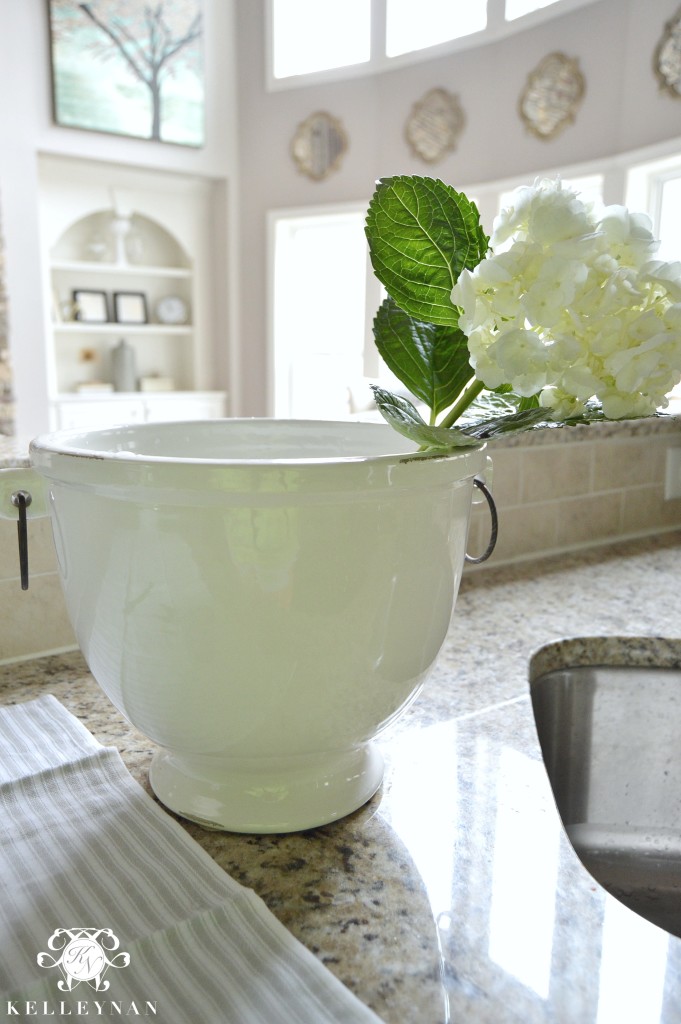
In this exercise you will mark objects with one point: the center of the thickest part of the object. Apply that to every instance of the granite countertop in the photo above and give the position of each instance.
(454, 894)
(14, 452)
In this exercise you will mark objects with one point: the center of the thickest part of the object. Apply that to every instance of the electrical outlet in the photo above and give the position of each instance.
(672, 480)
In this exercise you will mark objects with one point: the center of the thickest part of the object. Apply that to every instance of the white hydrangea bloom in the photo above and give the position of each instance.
(523, 358)
(575, 308)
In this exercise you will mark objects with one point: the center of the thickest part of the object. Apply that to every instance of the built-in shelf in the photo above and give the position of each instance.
(120, 232)
(132, 269)
(78, 327)
(82, 349)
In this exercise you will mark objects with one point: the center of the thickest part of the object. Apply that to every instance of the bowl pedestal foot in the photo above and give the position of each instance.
(266, 795)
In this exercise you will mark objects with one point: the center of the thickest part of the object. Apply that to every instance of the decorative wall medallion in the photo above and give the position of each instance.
(319, 145)
(434, 125)
(552, 95)
(667, 60)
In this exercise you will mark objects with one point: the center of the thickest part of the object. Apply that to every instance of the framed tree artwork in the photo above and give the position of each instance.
(129, 67)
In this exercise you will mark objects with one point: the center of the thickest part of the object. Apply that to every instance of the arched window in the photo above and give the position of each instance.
(309, 40)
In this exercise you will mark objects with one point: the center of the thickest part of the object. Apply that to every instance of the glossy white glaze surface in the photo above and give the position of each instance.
(260, 598)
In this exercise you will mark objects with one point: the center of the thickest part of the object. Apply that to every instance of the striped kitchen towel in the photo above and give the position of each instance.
(109, 908)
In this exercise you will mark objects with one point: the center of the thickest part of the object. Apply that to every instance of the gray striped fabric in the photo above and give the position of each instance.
(83, 846)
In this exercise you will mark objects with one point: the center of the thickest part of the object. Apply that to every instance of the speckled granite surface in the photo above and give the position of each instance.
(454, 894)
(13, 452)
(639, 652)
(666, 423)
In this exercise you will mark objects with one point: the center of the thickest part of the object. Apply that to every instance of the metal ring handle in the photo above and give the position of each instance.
(21, 500)
(495, 524)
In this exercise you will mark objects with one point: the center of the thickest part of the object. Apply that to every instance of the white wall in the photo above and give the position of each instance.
(623, 109)
(27, 129)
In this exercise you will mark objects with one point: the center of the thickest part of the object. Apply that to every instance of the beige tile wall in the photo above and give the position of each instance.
(565, 496)
(551, 497)
(33, 621)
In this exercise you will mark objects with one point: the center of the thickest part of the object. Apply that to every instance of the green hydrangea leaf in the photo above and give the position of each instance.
(490, 405)
(403, 416)
(533, 418)
(422, 234)
(507, 423)
(430, 359)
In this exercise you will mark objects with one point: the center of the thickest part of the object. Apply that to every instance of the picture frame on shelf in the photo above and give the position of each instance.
(90, 306)
(130, 308)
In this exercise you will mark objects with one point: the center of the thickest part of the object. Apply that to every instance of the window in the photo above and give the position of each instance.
(313, 40)
(655, 186)
(310, 36)
(414, 26)
(519, 8)
(319, 313)
(669, 219)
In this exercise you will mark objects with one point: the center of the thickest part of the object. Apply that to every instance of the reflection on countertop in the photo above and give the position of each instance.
(454, 894)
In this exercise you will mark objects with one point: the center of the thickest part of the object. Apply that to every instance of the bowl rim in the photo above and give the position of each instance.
(68, 444)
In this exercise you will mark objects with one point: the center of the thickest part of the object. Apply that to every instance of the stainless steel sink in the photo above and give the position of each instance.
(611, 741)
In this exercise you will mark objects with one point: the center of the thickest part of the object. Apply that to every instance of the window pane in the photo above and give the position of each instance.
(310, 35)
(589, 189)
(516, 8)
(319, 313)
(669, 231)
(415, 24)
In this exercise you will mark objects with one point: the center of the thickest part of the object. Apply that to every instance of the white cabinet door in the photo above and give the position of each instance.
(93, 415)
(184, 407)
(98, 413)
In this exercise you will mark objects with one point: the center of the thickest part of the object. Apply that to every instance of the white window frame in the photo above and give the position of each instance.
(497, 28)
(634, 179)
(647, 180)
(645, 184)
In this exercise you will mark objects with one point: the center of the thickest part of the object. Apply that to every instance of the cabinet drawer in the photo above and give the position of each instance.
(160, 410)
(94, 414)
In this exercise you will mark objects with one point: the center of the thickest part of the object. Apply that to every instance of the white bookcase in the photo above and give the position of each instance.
(128, 257)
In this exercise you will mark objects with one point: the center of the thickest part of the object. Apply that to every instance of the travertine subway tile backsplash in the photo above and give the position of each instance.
(562, 496)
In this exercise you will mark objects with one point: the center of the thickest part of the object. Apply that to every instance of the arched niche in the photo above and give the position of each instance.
(110, 237)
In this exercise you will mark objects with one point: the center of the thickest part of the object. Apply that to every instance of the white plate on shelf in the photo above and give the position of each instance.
(172, 309)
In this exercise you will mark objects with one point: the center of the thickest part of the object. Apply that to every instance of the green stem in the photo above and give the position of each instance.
(464, 401)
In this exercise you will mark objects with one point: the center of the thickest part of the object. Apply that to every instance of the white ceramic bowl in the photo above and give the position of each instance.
(260, 598)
